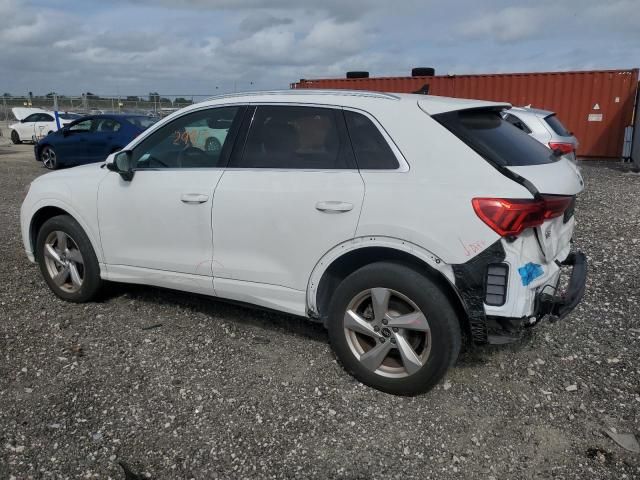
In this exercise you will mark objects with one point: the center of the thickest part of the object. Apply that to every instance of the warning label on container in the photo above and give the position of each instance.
(595, 117)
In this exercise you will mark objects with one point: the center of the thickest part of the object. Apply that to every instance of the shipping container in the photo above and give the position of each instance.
(595, 105)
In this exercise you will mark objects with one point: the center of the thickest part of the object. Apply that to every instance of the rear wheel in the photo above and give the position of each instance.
(393, 328)
(49, 158)
(67, 260)
(15, 137)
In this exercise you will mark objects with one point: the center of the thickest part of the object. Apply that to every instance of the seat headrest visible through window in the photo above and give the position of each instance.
(279, 137)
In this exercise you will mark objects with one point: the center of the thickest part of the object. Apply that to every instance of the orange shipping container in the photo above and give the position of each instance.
(595, 105)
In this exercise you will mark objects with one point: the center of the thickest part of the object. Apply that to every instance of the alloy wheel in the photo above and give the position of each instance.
(387, 332)
(49, 158)
(64, 261)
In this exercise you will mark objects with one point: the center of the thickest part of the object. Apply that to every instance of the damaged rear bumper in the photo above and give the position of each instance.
(559, 306)
(526, 300)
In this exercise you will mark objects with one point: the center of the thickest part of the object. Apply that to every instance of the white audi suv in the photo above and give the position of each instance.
(403, 223)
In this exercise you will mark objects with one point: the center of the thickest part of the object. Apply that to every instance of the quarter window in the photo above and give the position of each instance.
(197, 140)
(295, 137)
(370, 147)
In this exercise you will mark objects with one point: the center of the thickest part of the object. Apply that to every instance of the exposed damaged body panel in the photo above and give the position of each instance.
(515, 283)
(470, 281)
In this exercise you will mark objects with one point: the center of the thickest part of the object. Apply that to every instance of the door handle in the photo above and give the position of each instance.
(332, 206)
(194, 198)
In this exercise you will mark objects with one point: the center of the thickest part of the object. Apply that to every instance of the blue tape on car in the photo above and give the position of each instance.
(529, 272)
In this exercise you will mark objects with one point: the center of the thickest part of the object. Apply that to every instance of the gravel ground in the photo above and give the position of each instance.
(180, 386)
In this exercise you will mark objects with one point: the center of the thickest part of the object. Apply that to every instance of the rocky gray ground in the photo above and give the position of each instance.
(179, 386)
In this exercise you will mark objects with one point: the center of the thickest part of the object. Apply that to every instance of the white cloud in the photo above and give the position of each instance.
(509, 25)
(198, 45)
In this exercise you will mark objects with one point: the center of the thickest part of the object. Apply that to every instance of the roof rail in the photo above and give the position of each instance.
(308, 91)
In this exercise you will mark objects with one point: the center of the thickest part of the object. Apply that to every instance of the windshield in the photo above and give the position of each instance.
(494, 138)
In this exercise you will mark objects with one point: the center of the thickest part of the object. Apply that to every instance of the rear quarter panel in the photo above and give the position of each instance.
(430, 205)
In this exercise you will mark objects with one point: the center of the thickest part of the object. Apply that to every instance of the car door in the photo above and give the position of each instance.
(101, 142)
(71, 147)
(156, 228)
(44, 124)
(287, 197)
(26, 127)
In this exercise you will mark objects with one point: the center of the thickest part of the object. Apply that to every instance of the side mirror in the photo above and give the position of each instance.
(120, 162)
(65, 131)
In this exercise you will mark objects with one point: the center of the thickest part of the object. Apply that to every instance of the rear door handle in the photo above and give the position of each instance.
(332, 206)
(194, 197)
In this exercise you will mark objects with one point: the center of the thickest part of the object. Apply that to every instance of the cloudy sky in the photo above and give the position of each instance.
(180, 47)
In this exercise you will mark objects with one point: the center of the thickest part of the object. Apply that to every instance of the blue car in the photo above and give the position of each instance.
(89, 139)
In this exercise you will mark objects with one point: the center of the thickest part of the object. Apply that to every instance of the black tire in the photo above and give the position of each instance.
(91, 281)
(423, 72)
(426, 295)
(15, 138)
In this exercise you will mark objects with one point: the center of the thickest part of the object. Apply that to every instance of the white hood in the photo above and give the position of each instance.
(24, 112)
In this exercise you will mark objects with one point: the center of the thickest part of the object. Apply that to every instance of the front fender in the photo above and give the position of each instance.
(90, 228)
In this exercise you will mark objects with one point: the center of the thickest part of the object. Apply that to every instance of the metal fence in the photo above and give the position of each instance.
(153, 104)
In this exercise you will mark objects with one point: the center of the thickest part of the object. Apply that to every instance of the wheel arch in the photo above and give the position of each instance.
(40, 147)
(44, 212)
(349, 256)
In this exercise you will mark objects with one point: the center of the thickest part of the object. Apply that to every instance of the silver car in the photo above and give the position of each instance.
(545, 127)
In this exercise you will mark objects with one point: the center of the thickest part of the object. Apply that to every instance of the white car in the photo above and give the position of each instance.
(34, 124)
(545, 127)
(401, 222)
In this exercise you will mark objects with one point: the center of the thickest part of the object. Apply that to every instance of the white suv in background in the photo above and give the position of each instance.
(545, 127)
(401, 222)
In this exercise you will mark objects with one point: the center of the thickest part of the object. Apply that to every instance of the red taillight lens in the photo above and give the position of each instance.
(565, 148)
(508, 216)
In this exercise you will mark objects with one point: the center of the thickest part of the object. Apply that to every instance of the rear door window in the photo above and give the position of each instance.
(494, 138)
(370, 147)
(557, 126)
(295, 137)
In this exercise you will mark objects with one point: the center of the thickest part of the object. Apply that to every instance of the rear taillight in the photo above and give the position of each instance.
(509, 216)
(562, 147)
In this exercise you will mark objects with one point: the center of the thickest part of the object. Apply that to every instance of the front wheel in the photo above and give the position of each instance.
(67, 260)
(49, 158)
(393, 328)
(15, 137)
